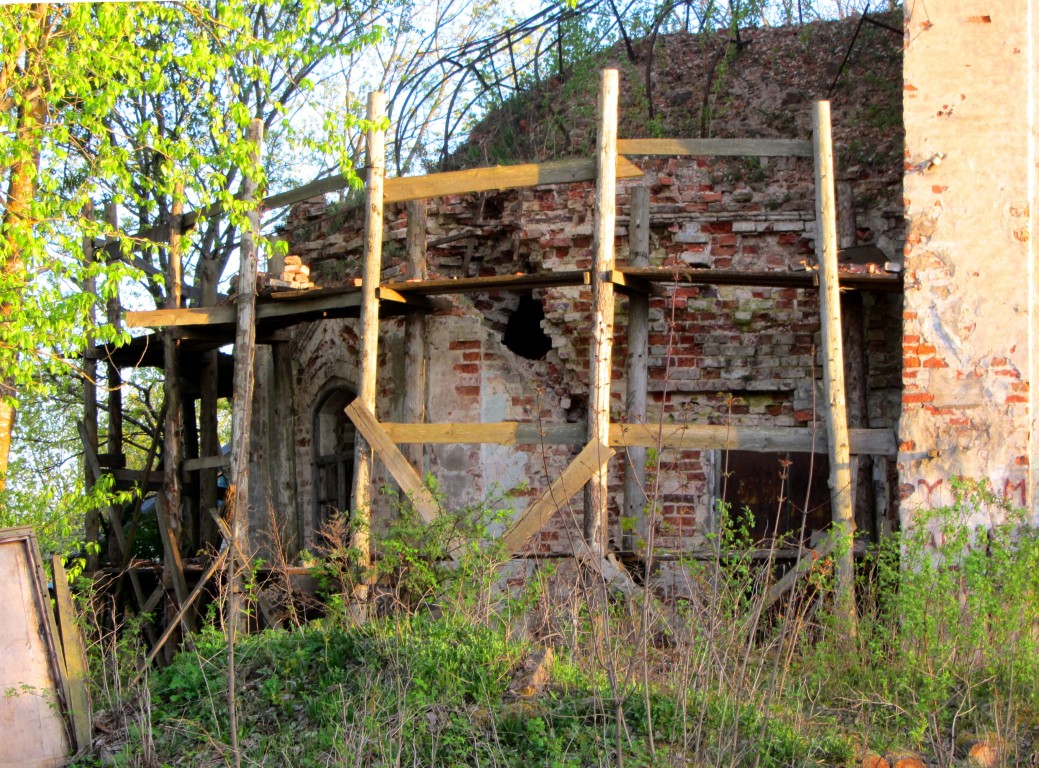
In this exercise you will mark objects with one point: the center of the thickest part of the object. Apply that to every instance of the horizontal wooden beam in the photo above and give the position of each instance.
(873, 442)
(206, 462)
(878, 283)
(306, 191)
(716, 147)
(415, 300)
(499, 177)
(521, 282)
(632, 284)
(496, 433)
(313, 302)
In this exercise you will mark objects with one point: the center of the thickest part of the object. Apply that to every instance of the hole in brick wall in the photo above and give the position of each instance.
(523, 334)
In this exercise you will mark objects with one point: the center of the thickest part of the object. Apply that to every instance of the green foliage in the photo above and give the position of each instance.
(119, 103)
(451, 559)
(948, 641)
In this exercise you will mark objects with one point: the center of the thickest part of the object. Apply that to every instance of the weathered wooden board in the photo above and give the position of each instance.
(316, 301)
(499, 177)
(533, 518)
(873, 442)
(716, 147)
(877, 283)
(206, 462)
(405, 475)
(75, 656)
(498, 433)
(34, 731)
(521, 282)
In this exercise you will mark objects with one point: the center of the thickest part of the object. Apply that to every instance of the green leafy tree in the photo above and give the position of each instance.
(62, 69)
(123, 104)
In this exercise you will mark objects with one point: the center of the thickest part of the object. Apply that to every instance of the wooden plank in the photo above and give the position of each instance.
(32, 678)
(879, 283)
(415, 268)
(130, 478)
(206, 462)
(633, 285)
(600, 364)
(293, 304)
(409, 481)
(637, 536)
(496, 433)
(841, 500)
(368, 364)
(716, 147)
(172, 560)
(413, 300)
(500, 177)
(314, 188)
(557, 279)
(74, 654)
(310, 303)
(692, 437)
(242, 399)
(531, 520)
(158, 318)
(92, 518)
(872, 442)
(169, 514)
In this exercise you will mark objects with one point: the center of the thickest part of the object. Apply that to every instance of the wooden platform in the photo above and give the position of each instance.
(286, 308)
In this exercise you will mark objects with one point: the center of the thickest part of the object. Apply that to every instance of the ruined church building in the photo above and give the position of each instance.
(709, 306)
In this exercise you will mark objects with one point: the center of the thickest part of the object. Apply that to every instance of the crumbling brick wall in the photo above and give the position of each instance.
(970, 294)
(718, 355)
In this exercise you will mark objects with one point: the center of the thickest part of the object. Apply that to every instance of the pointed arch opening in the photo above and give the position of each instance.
(333, 446)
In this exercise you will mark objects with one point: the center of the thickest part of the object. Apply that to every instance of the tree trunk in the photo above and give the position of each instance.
(21, 189)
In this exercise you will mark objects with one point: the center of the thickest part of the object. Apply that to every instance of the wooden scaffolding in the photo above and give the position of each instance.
(200, 330)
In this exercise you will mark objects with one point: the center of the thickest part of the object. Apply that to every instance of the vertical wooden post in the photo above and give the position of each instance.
(369, 325)
(415, 333)
(168, 503)
(115, 376)
(92, 521)
(637, 534)
(283, 448)
(833, 358)
(174, 429)
(241, 420)
(853, 322)
(114, 382)
(595, 513)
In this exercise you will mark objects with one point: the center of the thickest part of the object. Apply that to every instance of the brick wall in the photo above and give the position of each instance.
(718, 355)
(970, 317)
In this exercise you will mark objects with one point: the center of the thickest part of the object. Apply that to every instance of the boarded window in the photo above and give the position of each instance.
(779, 495)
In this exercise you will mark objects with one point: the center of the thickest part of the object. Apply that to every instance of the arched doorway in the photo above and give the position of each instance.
(333, 446)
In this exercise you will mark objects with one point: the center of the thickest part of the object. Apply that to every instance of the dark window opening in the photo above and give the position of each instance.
(779, 498)
(334, 436)
(523, 333)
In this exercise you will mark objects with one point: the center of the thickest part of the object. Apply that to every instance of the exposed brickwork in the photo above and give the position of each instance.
(717, 354)
(969, 315)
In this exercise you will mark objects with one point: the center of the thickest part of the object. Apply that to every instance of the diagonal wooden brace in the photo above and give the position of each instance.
(399, 467)
(531, 520)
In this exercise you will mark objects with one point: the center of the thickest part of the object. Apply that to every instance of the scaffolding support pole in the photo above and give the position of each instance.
(841, 496)
(601, 363)
(369, 326)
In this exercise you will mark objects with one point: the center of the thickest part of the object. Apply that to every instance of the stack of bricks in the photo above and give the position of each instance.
(297, 273)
